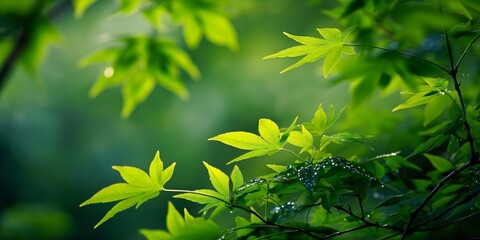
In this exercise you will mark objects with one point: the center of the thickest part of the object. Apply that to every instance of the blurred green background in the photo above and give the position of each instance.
(57, 146)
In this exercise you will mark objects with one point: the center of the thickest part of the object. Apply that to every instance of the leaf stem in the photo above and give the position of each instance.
(399, 52)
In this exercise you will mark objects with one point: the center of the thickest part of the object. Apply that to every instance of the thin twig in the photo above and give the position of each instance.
(442, 183)
(457, 204)
(449, 223)
(346, 231)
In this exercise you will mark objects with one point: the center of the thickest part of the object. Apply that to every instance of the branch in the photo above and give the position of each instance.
(449, 223)
(457, 204)
(442, 183)
(346, 231)
(367, 223)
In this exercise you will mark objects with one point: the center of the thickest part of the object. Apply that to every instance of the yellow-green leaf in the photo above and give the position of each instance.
(331, 46)
(269, 131)
(167, 174)
(134, 176)
(242, 140)
(113, 193)
(237, 178)
(156, 170)
(218, 179)
(119, 207)
(175, 222)
(254, 153)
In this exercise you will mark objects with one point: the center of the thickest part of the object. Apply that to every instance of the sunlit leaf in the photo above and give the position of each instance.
(134, 176)
(269, 131)
(218, 179)
(331, 47)
(139, 187)
(237, 178)
(242, 140)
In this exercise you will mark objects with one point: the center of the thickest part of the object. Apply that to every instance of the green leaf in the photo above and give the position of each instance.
(119, 207)
(113, 193)
(434, 108)
(376, 168)
(251, 154)
(331, 47)
(414, 101)
(269, 131)
(138, 64)
(135, 91)
(218, 179)
(134, 176)
(242, 140)
(82, 5)
(175, 222)
(155, 234)
(218, 29)
(138, 189)
(303, 140)
(156, 170)
(441, 164)
(394, 200)
(237, 178)
(429, 144)
(167, 174)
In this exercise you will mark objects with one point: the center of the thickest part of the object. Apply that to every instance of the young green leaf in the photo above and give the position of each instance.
(187, 227)
(139, 187)
(218, 179)
(237, 178)
(331, 47)
(242, 140)
(134, 176)
(269, 131)
(270, 140)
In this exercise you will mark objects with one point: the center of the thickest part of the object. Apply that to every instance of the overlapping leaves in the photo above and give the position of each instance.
(331, 46)
(138, 188)
(140, 64)
(185, 228)
(223, 193)
(434, 95)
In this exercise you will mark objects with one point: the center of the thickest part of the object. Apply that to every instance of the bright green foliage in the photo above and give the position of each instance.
(184, 228)
(139, 65)
(331, 47)
(224, 188)
(434, 95)
(139, 187)
(323, 191)
(202, 17)
(145, 61)
(270, 141)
